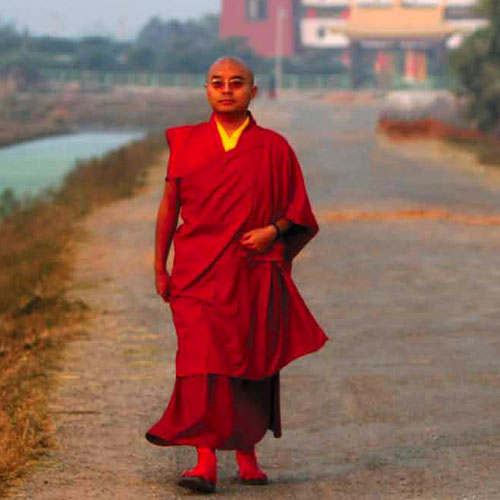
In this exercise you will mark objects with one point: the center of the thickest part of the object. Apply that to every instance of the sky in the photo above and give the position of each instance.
(119, 18)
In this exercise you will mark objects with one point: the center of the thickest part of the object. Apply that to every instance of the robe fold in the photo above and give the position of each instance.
(219, 412)
(237, 312)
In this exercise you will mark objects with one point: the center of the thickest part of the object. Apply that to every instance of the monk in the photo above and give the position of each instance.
(238, 316)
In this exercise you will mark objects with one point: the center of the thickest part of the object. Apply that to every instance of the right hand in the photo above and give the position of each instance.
(162, 279)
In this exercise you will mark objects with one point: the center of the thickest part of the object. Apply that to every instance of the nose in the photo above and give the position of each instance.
(227, 87)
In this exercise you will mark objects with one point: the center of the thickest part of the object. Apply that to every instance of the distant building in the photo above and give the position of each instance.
(402, 36)
(258, 21)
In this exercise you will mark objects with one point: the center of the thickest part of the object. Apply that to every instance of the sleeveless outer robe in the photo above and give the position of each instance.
(237, 312)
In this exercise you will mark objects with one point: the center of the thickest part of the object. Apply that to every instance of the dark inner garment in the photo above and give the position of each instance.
(217, 411)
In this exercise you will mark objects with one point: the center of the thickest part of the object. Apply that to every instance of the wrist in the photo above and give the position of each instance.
(276, 230)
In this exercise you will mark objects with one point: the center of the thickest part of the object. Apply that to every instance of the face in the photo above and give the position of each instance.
(229, 87)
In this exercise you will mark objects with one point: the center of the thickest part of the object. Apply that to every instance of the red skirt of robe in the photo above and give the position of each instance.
(216, 411)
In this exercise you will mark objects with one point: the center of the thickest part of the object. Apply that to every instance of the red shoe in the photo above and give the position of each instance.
(203, 477)
(196, 482)
(249, 470)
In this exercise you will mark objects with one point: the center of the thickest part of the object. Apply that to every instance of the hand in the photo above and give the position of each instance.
(259, 239)
(162, 279)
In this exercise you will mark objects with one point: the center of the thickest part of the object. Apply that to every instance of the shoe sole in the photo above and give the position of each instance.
(197, 483)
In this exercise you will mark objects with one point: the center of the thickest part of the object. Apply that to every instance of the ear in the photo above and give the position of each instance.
(254, 91)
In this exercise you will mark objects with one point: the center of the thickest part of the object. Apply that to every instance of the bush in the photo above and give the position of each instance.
(477, 65)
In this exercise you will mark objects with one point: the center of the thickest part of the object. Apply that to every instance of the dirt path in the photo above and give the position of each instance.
(402, 404)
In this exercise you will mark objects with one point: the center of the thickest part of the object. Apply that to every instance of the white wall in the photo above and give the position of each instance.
(421, 3)
(310, 29)
(460, 3)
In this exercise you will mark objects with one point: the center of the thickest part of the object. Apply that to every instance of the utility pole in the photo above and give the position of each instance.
(278, 60)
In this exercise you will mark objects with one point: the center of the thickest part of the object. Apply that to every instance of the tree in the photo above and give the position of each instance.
(53, 45)
(174, 35)
(187, 46)
(477, 64)
(10, 38)
(142, 58)
(172, 45)
(96, 53)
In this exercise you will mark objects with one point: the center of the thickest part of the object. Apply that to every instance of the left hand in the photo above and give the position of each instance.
(259, 239)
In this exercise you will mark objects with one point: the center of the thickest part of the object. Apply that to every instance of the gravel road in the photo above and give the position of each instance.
(403, 403)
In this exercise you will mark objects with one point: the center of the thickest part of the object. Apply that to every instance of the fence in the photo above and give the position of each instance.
(103, 79)
(155, 80)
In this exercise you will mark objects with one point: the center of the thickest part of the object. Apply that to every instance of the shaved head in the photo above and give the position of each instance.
(231, 61)
(230, 87)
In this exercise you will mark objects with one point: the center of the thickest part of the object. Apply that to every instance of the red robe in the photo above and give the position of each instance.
(237, 312)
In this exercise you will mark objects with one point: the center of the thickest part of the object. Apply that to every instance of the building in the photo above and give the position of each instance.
(260, 22)
(403, 36)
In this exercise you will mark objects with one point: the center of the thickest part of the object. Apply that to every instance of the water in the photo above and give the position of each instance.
(32, 166)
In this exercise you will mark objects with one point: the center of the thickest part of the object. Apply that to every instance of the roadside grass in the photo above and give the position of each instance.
(485, 148)
(36, 316)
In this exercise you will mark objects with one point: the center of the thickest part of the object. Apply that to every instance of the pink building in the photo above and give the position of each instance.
(260, 21)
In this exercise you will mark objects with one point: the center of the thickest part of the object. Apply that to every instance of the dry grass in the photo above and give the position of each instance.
(485, 148)
(36, 317)
(28, 116)
(425, 128)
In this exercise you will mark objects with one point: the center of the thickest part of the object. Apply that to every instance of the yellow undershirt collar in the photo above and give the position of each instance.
(230, 141)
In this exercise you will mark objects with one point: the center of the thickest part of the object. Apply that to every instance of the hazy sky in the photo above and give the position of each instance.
(120, 18)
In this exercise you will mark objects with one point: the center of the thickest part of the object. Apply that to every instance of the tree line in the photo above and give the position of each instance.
(161, 46)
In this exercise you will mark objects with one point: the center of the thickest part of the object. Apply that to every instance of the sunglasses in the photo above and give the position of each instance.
(232, 84)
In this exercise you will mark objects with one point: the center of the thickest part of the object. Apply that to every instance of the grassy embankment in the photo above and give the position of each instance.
(36, 316)
(485, 148)
(28, 115)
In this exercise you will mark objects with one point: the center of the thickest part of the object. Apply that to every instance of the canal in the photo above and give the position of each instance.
(30, 167)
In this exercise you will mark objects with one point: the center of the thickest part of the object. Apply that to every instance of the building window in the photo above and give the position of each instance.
(459, 13)
(256, 10)
(321, 33)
